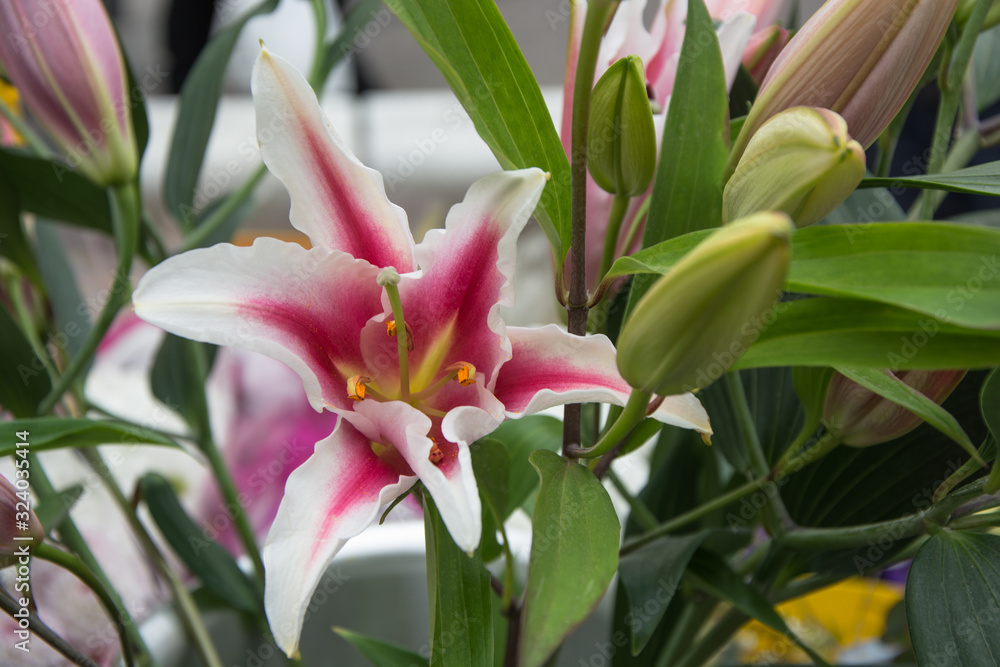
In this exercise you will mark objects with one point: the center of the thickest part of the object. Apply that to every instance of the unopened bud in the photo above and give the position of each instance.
(621, 140)
(18, 524)
(801, 162)
(860, 58)
(701, 316)
(859, 417)
(763, 49)
(64, 60)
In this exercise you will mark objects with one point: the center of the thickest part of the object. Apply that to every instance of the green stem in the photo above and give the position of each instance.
(317, 75)
(619, 207)
(714, 639)
(124, 201)
(790, 462)
(72, 538)
(599, 12)
(634, 412)
(693, 515)
(951, 96)
(187, 611)
(73, 564)
(47, 634)
(777, 517)
(640, 512)
(692, 618)
(211, 224)
(195, 353)
(822, 539)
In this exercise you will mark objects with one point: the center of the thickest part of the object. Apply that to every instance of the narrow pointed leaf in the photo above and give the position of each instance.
(846, 332)
(174, 379)
(72, 314)
(50, 189)
(471, 44)
(948, 271)
(650, 576)
(55, 433)
(687, 188)
(380, 653)
(204, 557)
(25, 382)
(951, 600)
(574, 555)
(982, 179)
(990, 403)
(491, 464)
(197, 104)
(53, 510)
(458, 590)
(715, 577)
(892, 388)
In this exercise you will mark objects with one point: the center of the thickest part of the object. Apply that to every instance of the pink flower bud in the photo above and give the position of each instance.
(64, 60)
(16, 518)
(861, 418)
(860, 58)
(763, 49)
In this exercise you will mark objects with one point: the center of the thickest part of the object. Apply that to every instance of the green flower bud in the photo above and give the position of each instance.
(801, 162)
(701, 316)
(621, 141)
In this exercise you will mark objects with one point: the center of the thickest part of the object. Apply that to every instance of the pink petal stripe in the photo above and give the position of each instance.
(550, 367)
(337, 201)
(451, 483)
(453, 308)
(330, 498)
(305, 308)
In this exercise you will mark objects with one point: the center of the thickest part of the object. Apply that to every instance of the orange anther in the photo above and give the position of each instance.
(356, 387)
(436, 455)
(390, 329)
(464, 372)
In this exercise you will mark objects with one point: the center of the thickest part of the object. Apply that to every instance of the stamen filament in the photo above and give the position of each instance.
(389, 281)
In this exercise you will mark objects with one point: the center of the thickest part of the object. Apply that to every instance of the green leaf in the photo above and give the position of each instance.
(982, 179)
(951, 600)
(360, 15)
(70, 312)
(986, 64)
(203, 557)
(863, 207)
(574, 555)
(51, 189)
(458, 591)
(990, 403)
(25, 381)
(470, 43)
(890, 387)
(687, 189)
(491, 464)
(853, 485)
(13, 244)
(380, 653)
(948, 271)
(53, 510)
(56, 433)
(521, 437)
(175, 380)
(713, 575)
(846, 332)
(197, 104)
(650, 576)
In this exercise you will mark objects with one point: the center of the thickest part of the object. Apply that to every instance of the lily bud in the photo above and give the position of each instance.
(801, 162)
(860, 58)
(16, 521)
(701, 316)
(763, 49)
(64, 60)
(621, 140)
(861, 418)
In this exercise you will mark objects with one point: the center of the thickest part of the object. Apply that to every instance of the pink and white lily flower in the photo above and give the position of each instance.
(407, 415)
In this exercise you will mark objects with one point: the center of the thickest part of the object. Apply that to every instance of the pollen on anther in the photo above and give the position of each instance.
(356, 387)
(436, 455)
(465, 373)
(390, 330)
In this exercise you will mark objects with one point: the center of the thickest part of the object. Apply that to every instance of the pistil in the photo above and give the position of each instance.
(389, 279)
